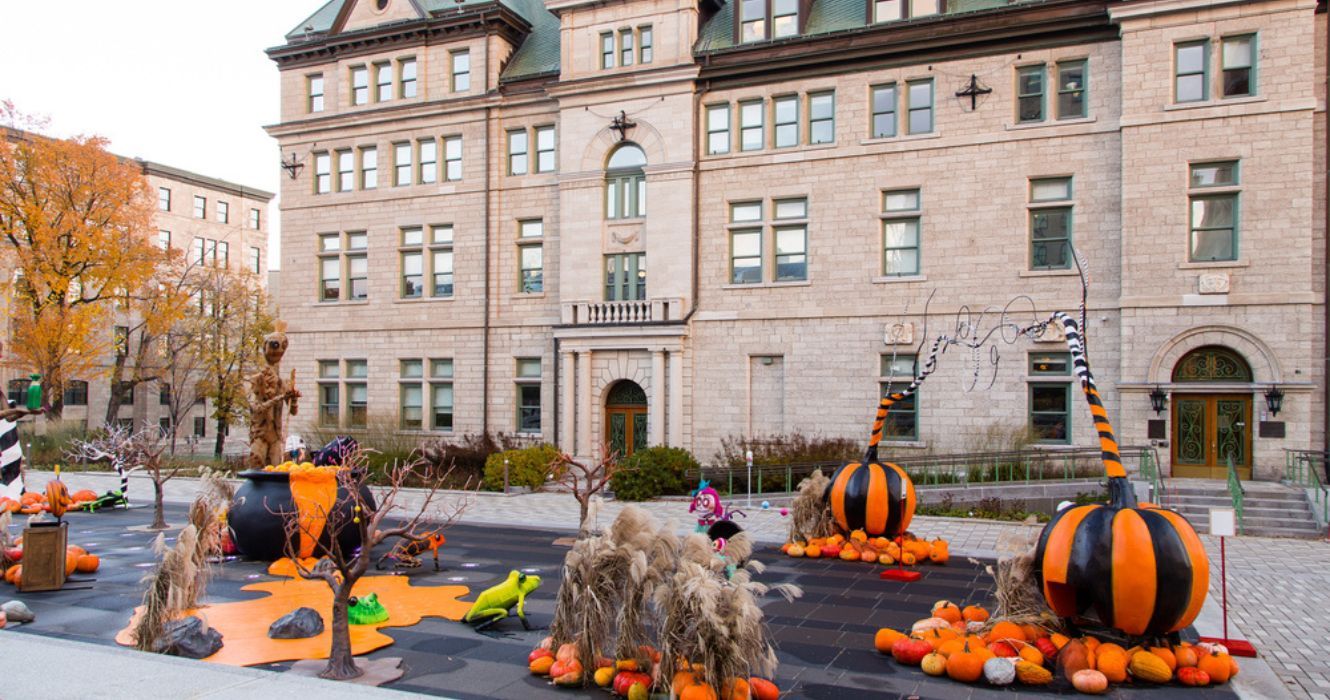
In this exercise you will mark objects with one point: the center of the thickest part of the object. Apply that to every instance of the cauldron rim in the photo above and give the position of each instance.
(260, 475)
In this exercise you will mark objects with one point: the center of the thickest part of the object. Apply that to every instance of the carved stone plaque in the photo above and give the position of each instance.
(1213, 283)
(900, 334)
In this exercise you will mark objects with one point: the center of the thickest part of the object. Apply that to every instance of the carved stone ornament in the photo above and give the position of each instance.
(1213, 283)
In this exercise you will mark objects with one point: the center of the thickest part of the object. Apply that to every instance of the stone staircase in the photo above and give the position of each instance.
(1269, 509)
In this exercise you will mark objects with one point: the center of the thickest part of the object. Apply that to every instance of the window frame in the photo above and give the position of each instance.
(887, 380)
(255, 219)
(910, 107)
(403, 169)
(164, 199)
(814, 121)
(541, 152)
(608, 50)
(384, 81)
(408, 78)
(200, 207)
(356, 72)
(427, 171)
(792, 121)
(459, 79)
(1204, 73)
(645, 44)
(889, 216)
(523, 383)
(1045, 385)
(322, 173)
(1022, 95)
(622, 274)
(406, 382)
(315, 102)
(449, 160)
(369, 167)
(1042, 207)
(1083, 89)
(345, 162)
(745, 127)
(1228, 191)
(1253, 58)
(712, 132)
(627, 47)
(527, 283)
(874, 113)
(523, 155)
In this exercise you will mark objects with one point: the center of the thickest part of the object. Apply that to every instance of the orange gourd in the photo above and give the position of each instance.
(859, 536)
(1149, 668)
(1031, 654)
(1167, 655)
(965, 666)
(763, 689)
(947, 610)
(76, 550)
(1217, 665)
(812, 551)
(83, 495)
(698, 691)
(1032, 674)
(1112, 663)
(1090, 682)
(87, 564)
(1004, 649)
(734, 689)
(934, 664)
(869, 556)
(1006, 630)
(12, 574)
(71, 563)
(885, 559)
(1076, 656)
(57, 496)
(682, 679)
(1185, 655)
(884, 638)
(540, 666)
(974, 613)
(795, 550)
(939, 552)
(1032, 632)
(908, 559)
(1192, 676)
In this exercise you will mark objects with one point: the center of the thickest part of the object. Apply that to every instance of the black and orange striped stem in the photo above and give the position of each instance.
(1108, 442)
(884, 406)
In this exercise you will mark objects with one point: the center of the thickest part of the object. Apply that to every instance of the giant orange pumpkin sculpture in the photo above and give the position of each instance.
(1142, 570)
(873, 496)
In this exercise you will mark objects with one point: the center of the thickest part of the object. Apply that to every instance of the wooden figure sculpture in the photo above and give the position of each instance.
(269, 394)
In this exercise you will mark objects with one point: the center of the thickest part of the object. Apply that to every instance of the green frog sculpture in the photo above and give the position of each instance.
(366, 610)
(494, 603)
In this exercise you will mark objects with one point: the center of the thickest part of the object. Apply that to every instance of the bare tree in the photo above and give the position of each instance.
(414, 517)
(133, 450)
(584, 480)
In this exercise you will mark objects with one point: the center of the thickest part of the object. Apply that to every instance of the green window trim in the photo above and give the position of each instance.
(1031, 105)
(1073, 97)
(626, 277)
(1050, 425)
(1191, 71)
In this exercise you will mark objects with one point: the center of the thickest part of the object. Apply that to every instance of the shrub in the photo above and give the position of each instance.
(653, 472)
(787, 448)
(527, 467)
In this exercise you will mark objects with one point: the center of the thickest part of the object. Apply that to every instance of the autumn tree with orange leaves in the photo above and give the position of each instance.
(74, 221)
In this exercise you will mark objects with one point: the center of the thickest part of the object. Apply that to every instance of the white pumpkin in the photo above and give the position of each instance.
(1000, 671)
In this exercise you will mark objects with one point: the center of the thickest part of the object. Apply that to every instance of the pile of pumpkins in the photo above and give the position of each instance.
(34, 502)
(964, 645)
(874, 550)
(624, 678)
(76, 559)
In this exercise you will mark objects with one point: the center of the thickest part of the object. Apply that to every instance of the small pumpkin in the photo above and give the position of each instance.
(951, 646)
(908, 559)
(734, 689)
(1032, 631)
(868, 556)
(1046, 647)
(965, 666)
(57, 497)
(812, 551)
(1149, 668)
(698, 691)
(682, 679)
(1005, 630)
(763, 689)
(1167, 655)
(858, 536)
(910, 651)
(638, 691)
(974, 613)
(566, 652)
(1060, 640)
(624, 681)
(1090, 682)
(604, 676)
(1185, 655)
(848, 554)
(13, 573)
(831, 551)
(939, 552)
(1112, 663)
(795, 550)
(1004, 650)
(934, 664)
(885, 559)
(1217, 665)
(1031, 654)
(71, 563)
(1000, 671)
(1032, 674)
(929, 623)
(884, 638)
(540, 666)
(1192, 676)
(1076, 656)
(87, 564)
(948, 611)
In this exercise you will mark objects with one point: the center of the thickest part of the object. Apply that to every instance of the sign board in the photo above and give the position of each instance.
(1223, 522)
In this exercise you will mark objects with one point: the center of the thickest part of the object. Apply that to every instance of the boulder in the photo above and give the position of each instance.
(188, 638)
(16, 611)
(299, 624)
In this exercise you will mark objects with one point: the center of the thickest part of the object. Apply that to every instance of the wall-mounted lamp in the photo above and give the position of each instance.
(1158, 400)
(1274, 400)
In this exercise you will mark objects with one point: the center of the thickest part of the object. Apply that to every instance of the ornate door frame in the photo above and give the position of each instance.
(626, 414)
(1204, 430)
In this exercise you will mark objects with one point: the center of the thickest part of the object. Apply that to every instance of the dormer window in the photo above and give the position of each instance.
(895, 10)
(760, 20)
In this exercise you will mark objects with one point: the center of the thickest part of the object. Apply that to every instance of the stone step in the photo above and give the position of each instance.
(1250, 488)
(1307, 532)
(1305, 513)
(1217, 499)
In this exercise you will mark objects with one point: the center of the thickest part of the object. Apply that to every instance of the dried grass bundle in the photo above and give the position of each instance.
(178, 582)
(810, 516)
(1019, 598)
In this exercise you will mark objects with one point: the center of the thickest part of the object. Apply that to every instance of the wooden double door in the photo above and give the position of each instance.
(1208, 430)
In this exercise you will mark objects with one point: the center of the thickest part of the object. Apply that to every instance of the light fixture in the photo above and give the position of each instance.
(1274, 400)
(1158, 400)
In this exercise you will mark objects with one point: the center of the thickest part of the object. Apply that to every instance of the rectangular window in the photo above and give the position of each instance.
(1071, 89)
(1030, 94)
(314, 85)
(531, 256)
(1050, 412)
(607, 50)
(452, 158)
(884, 111)
(407, 81)
(383, 82)
(528, 395)
(900, 233)
(461, 61)
(402, 164)
(888, 10)
(517, 152)
(919, 98)
(164, 240)
(752, 20)
(223, 254)
(1239, 65)
(359, 85)
(626, 196)
(718, 129)
(357, 394)
(625, 47)
(164, 199)
(746, 243)
(322, 175)
(544, 149)
(76, 393)
(357, 266)
(223, 212)
(429, 161)
(644, 45)
(821, 117)
(1050, 224)
(1050, 364)
(441, 395)
(255, 260)
(163, 393)
(1191, 71)
(411, 374)
(254, 220)
(896, 372)
(346, 171)
(785, 120)
(1213, 200)
(369, 168)
(201, 207)
(626, 277)
(441, 261)
(784, 18)
(329, 396)
(791, 240)
(126, 393)
(751, 132)
(200, 426)
(413, 263)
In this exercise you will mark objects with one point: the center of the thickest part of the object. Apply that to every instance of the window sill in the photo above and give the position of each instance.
(1047, 123)
(898, 279)
(528, 295)
(768, 285)
(1048, 273)
(357, 302)
(908, 444)
(901, 139)
(1213, 264)
(422, 300)
(1220, 102)
(1048, 378)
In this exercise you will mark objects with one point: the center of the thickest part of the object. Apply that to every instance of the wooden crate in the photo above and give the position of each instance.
(44, 556)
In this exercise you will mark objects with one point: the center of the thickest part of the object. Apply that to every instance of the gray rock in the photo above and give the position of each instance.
(189, 639)
(299, 624)
(16, 611)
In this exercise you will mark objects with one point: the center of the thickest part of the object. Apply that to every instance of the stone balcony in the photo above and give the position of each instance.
(621, 313)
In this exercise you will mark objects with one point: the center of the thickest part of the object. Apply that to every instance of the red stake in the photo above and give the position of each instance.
(899, 573)
(1236, 647)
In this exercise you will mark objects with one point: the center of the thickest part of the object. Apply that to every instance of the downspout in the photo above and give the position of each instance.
(697, 193)
(485, 322)
(1325, 242)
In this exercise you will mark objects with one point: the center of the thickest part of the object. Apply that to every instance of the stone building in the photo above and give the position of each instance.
(482, 185)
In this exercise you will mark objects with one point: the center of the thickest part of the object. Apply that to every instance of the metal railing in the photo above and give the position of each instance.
(970, 468)
(1235, 491)
(1307, 469)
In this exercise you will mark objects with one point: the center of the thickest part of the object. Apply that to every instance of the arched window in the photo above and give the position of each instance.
(1212, 363)
(626, 183)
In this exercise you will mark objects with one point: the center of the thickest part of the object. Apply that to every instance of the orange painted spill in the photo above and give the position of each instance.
(314, 493)
(244, 624)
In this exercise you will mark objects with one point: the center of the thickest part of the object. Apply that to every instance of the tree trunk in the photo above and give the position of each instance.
(159, 515)
(221, 438)
(117, 395)
(583, 505)
(341, 664)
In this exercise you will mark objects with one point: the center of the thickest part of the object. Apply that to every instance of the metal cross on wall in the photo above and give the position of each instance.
(622, 124)
(293, 166)
(973, 90)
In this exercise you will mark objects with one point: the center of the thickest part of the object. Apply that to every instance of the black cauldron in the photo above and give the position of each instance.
(262, 504)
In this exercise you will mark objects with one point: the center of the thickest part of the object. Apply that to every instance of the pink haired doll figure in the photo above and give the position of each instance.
(707, 505)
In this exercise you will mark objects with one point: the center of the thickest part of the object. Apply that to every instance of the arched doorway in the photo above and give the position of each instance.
(1211, 425)
(625, 418)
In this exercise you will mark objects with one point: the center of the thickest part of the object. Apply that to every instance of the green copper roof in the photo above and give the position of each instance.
(538, 54)
(825, 17)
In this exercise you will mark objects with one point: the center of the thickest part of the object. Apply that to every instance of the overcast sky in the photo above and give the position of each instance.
(180, 82)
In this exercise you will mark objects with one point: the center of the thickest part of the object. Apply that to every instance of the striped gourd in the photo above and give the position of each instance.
(1141, 570)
